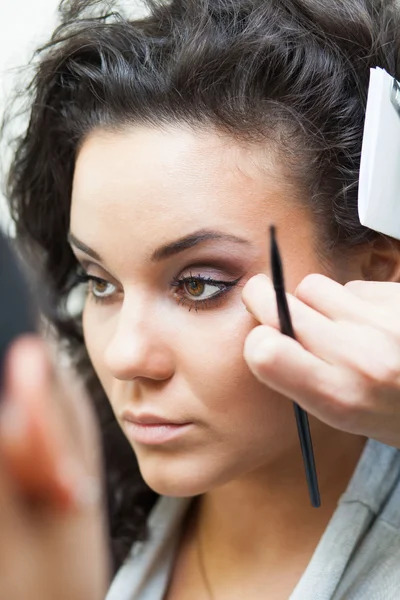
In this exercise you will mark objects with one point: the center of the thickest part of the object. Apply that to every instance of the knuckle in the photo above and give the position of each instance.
(390, 324)
(375, 358)
(343, 414)
(384, 371)
(392, 327)
(339, 410)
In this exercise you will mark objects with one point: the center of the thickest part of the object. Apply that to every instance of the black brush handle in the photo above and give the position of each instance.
(307, 452)
(286, 327)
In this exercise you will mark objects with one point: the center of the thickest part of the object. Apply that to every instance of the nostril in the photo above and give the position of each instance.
(134, 358)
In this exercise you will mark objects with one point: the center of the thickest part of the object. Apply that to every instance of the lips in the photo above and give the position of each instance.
(149, 419)
(150, 429)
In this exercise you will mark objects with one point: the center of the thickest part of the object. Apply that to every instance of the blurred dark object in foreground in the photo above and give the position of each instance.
(17, 305)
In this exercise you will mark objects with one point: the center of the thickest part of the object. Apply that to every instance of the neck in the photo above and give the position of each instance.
(264, 521)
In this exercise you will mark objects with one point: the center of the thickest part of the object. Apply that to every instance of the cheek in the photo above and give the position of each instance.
(244, 425)
(229, 393)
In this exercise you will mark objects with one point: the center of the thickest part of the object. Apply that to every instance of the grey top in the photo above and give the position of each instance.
(357, 558)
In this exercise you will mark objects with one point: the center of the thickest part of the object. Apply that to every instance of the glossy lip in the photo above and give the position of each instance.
(146, 428)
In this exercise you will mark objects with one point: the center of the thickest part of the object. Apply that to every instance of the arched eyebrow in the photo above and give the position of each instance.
(82, 247)
(172, 248)
(188, 241)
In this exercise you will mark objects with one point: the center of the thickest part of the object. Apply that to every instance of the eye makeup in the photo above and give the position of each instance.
(184, 284)
(286, 326)
(193, 291)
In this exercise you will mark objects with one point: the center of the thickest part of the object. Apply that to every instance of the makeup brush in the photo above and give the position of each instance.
(286, 327)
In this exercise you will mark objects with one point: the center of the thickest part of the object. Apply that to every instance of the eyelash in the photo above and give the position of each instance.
(213, 301)
(225, 286)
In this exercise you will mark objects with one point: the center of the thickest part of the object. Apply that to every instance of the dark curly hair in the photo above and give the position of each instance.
(292, 74)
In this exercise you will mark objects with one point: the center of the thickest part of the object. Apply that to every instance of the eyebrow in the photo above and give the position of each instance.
(81, 246)
(184, 243)
(172, 248)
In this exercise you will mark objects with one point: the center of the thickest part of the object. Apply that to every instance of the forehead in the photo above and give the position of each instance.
(169, 181)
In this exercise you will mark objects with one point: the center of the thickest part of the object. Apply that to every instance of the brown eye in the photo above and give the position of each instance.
(200, 292)
(195, 288)
(101, 288)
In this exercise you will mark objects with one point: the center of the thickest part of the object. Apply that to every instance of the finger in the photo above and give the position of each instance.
(314, 331)
(284, 365)
(333, 300)
(260, 299)
(352, 302)
(382, 294)
(354, 345)
(31, 436)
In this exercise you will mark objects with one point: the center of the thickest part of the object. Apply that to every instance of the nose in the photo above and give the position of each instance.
(139, 346)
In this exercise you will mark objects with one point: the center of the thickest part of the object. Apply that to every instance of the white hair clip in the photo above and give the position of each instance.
(379, 184)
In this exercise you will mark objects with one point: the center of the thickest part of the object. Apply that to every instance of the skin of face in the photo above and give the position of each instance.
(135, 190)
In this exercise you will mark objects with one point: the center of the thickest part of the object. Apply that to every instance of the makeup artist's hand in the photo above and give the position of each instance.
(52, 534)
(345, 367)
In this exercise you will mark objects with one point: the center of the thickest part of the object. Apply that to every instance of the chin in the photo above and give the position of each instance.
(179, 485)
(180, 478)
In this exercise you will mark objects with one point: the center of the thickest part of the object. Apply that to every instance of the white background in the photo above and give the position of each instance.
(24, 26)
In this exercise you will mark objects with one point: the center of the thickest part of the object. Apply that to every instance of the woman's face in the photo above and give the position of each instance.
(174, 223)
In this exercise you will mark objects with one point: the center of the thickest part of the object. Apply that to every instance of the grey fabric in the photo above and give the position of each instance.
(357, 558)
